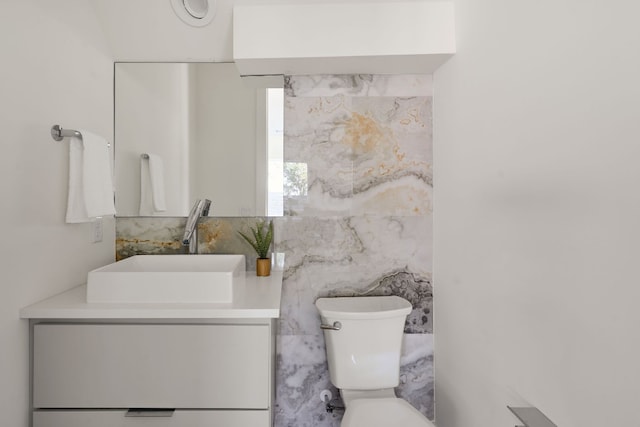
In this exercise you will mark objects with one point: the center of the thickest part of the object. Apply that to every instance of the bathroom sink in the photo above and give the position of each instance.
(167, 279)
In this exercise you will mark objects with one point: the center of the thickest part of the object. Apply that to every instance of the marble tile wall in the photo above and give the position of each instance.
(362, 225)
(359, 223)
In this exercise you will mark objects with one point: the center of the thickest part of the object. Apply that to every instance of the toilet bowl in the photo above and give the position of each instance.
(363, 337)
(385, 412)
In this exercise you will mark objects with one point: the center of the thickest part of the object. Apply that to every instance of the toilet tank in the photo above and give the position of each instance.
(364, 354)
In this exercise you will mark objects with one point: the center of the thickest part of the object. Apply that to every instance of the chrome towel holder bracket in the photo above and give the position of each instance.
(59, 134)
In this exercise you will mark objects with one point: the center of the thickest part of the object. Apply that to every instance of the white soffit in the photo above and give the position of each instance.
(348, 38)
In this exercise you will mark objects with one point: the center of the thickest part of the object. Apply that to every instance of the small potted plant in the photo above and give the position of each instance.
(261, 242)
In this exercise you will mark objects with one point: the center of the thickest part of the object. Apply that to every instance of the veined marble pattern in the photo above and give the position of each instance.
(364, 226)
(416, 373)
(359, 85)
(301, 374)
(151, 235)
(410, 286)
(349, 256)
(302, 370)
(363, 154)
(142, 235)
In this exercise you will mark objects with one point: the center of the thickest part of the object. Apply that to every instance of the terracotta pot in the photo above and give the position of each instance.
(263, 266)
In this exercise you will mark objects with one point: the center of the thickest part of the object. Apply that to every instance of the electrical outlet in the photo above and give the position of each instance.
(97, 230)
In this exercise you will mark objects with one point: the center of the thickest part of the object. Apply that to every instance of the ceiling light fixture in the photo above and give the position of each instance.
(196, 13)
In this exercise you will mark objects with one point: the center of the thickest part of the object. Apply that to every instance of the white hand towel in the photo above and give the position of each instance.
(90, 179)
(152, 194)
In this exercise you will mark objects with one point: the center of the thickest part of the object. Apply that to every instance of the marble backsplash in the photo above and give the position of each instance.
(163, 236)
(358, 222)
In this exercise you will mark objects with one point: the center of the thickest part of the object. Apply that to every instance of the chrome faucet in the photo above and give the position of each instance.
(190, 237)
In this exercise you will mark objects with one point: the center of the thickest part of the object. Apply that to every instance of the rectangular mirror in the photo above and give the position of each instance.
(187, 131)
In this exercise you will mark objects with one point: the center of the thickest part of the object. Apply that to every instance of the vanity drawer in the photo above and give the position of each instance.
(151, 366)
(117, 418)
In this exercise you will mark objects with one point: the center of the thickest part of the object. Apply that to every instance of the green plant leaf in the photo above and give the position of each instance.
(262, 238)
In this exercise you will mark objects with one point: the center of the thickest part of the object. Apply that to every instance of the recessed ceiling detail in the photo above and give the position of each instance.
(196, 13)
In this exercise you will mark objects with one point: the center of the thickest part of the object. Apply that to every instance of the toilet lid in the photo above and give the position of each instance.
(383, 412)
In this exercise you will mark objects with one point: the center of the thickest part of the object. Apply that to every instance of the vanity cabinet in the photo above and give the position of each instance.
(190, 374)
(119, 418)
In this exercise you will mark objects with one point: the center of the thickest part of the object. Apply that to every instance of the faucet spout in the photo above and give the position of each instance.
(190, 237)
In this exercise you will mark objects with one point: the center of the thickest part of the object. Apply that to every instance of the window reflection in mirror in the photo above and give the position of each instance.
(275, 151)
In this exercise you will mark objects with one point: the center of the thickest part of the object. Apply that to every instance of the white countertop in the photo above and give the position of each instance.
(255, 297)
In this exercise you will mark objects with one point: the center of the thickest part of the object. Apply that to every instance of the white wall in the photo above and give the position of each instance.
(165, 37)
(537, 214)
(152, 116)
(56, 68)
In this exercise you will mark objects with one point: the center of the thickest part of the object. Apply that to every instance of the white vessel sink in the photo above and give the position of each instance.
(167, 279)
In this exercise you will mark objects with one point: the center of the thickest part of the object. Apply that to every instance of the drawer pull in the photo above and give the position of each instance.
(144, 412)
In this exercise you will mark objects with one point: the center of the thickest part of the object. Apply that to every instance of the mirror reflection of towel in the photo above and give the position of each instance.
(152, 195)
(90, 179)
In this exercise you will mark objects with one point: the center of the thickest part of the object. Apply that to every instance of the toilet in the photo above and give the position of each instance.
(363, 337)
